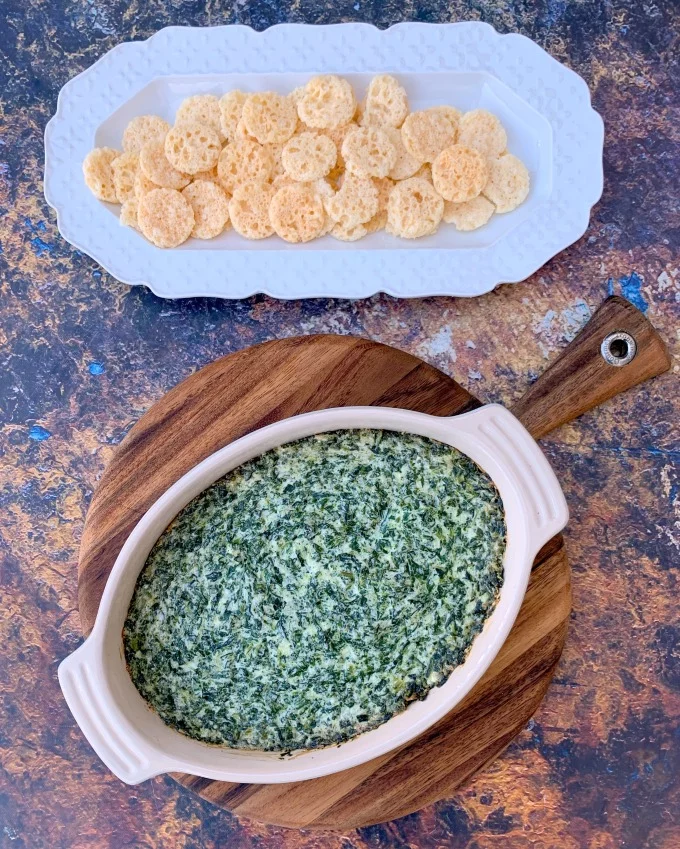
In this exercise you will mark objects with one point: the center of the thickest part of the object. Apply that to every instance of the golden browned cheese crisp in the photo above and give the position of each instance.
(165, 218)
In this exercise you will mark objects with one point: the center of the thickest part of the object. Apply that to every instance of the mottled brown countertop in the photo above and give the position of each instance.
(83, 356)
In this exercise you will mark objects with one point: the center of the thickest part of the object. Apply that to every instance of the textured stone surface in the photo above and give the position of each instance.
(82, 356)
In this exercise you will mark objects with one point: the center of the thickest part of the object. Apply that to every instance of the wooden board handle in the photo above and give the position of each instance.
(616, 350)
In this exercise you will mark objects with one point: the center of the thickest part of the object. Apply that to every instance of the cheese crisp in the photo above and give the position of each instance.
(210, 205)
(98, 173)
(297, 213)
(460, 173)
(353, 163)
(165, 218)
(414, 209)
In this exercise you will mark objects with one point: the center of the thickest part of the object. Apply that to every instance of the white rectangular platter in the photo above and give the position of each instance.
(544, 107)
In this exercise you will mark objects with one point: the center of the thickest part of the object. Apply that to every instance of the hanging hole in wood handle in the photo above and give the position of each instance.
(616, 350)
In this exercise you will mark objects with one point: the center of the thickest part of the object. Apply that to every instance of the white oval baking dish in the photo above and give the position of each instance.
(134, 742)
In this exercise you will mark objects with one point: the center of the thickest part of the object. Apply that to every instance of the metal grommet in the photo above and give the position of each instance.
(618, 349)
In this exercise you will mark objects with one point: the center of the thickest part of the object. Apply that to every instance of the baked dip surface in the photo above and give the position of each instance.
(311, 593)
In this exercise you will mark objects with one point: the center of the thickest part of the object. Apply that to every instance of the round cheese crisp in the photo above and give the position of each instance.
(308, 156)
(508, 183)
(459, 173)
(269, 117)
(356, 202)
(414, 209)
(469, 215)
(483, 131)
(165, 218)
(142, 130)
(327, 101)
(297, 213)
(425, 134)
(128, 213)
(249, 210)
(368, 152)
(244, 162)
(210, 205)
(321, 187)
(231, 109)
(99, 174)
(124, 169)
(201, 109)
(191, 148)
(386, 103)
(155, 165)
(405, 165)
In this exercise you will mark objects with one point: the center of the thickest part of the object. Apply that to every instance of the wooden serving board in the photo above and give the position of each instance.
(263, 384)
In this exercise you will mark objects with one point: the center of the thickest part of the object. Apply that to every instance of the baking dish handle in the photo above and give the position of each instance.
(505, 438)
(119, 745)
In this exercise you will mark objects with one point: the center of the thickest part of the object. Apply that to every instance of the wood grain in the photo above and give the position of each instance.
(581, 379)
(259, 385)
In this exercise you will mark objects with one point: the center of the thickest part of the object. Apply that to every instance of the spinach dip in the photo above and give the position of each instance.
(311, 593)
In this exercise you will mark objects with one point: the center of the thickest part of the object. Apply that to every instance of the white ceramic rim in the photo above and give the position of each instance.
(557, 94)
(133, 741)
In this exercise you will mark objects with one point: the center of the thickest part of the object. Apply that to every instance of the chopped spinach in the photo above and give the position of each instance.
(311, 593)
